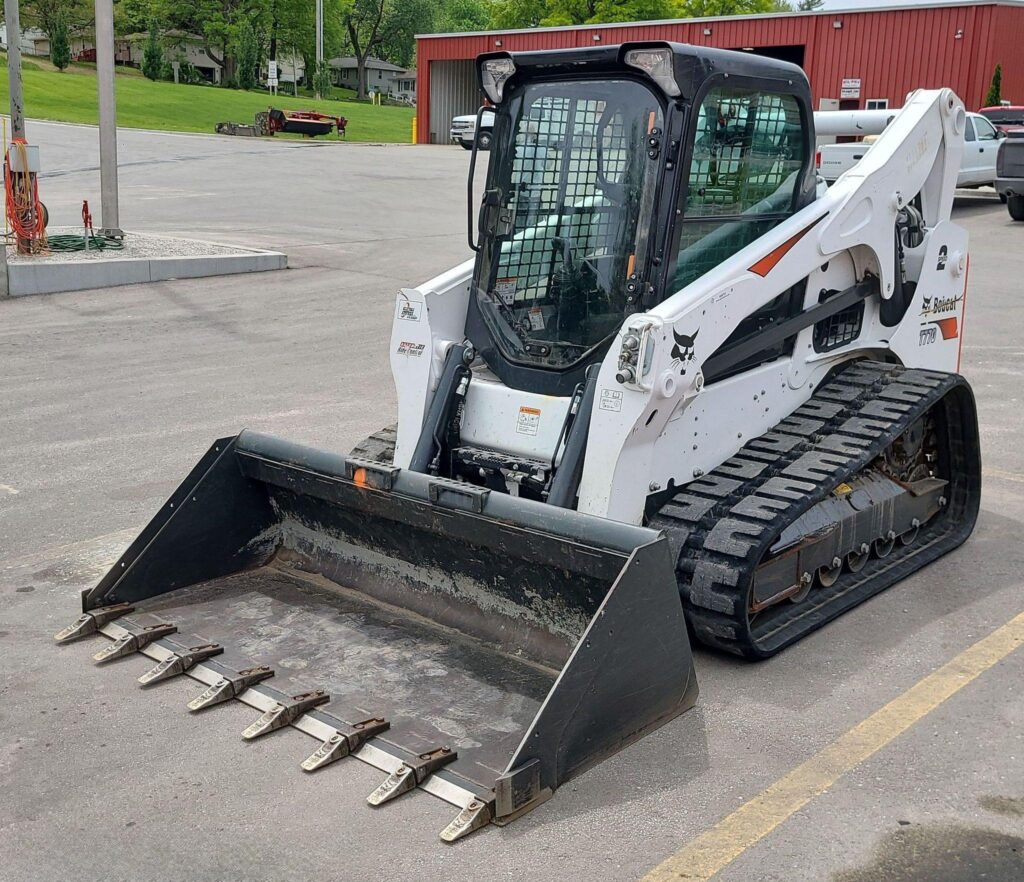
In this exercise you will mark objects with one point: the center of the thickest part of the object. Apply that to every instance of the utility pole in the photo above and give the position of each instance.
(22, 180)
(319, 47)
(12, 17)
(111, 225)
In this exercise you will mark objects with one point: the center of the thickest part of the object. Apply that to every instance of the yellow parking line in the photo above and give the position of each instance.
(716, 848)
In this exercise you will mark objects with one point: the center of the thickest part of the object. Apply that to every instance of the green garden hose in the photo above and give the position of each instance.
(72, 242)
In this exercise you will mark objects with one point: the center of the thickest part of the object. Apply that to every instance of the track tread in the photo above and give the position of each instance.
(378, 447)
(722, 527)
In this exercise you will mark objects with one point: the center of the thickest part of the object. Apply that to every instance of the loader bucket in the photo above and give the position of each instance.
(483, 647)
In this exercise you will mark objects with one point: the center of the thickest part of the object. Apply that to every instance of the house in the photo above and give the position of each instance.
(380, 74)
(404, 87)
(177, 45)
(35, 42)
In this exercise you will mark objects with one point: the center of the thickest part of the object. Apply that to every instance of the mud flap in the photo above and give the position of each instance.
(483, 647)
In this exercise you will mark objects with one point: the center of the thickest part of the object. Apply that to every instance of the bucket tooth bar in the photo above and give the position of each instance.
(285, 712)
(479, 813)
(90, 622)
(410, 774)
(182, 659)
(345, 740)
(134, 639)
(231, 684)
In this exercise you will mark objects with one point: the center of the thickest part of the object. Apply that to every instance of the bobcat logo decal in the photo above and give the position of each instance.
(682, 351)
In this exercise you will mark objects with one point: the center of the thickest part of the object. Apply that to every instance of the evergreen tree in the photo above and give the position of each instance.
(152, 54)
(322, 84)
(60, 46)
(995, 93)
(248, 55)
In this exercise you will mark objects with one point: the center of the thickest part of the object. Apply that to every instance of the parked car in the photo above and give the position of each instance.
(1010, 176)
(1007, 118)
(464, 128)
(977, 164)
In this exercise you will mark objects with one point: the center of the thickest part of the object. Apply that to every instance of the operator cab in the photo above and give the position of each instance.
(617, 176)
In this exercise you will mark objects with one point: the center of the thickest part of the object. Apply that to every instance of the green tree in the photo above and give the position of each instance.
(995, 90)
(531, 13)
(368, 24)
(60, 47)
(809, 5)
(631, 10)
(710, 8)
(152, 53)
(509, 14)
(48, 15)
(403, 20)
(247, 54)
(455, 16)
(322, 82)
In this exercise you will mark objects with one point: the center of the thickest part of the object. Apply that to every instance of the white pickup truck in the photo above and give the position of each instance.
(464, 128)
(977, 166)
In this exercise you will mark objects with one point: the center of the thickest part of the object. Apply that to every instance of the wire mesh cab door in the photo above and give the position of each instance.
(571, 189)
(749, 169)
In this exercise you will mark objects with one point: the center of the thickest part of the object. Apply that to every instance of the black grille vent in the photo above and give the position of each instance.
(839, 329)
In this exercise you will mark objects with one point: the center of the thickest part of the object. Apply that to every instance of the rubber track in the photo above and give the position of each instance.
(723, 524)
(378, 447)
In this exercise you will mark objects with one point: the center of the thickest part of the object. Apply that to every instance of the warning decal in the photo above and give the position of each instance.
(529, 421)
(611, 399)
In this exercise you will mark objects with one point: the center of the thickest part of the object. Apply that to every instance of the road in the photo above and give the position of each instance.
(109, 397)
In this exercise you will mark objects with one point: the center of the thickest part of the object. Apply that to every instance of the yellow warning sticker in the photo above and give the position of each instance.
(843, 490)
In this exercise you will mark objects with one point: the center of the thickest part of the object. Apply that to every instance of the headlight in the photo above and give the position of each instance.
(494, 73)
(657, 64)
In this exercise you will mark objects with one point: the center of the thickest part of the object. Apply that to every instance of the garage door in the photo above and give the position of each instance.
(453, 91)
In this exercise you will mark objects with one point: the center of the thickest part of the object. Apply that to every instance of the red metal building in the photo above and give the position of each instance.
(854, 58)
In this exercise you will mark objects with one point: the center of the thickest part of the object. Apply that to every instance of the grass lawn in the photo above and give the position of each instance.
(144, 104)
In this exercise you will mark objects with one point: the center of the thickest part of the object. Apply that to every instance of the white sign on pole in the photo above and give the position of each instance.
(272, 69)
(850, 88)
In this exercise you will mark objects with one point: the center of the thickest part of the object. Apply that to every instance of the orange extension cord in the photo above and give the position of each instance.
(24, 210)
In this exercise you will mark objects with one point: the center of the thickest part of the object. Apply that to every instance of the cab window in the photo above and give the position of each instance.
(748, 153)
(986, 131)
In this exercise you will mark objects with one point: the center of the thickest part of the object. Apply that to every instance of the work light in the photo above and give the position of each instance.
(494, 73)
(657, 64)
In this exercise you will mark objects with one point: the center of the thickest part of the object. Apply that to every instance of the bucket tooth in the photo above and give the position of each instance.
(230, 685)
(411, 773)
(474, 816)
(401, 780)
(180, 662)
(343, 742)
(285, 712)
(134, 641)
(90, 622)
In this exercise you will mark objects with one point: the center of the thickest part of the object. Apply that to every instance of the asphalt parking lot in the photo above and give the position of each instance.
(109, 397)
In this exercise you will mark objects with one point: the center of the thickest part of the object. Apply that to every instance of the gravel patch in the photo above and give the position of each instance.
(136, 245)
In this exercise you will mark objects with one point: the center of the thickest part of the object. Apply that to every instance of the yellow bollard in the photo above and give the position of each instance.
(414, 130)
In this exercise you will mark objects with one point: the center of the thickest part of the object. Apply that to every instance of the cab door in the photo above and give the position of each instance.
(988, 148)
(971, 160)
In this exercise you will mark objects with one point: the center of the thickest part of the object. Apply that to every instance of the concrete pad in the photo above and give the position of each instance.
(50, 277)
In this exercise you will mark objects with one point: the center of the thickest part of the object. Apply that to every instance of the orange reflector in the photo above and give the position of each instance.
(359, 477)
(767, 263)
(947, 326)
(631, 265)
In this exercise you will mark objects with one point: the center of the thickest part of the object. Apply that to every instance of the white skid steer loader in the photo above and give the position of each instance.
(681, 387)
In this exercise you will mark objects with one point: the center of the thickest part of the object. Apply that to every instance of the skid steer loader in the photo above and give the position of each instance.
(681, 388)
